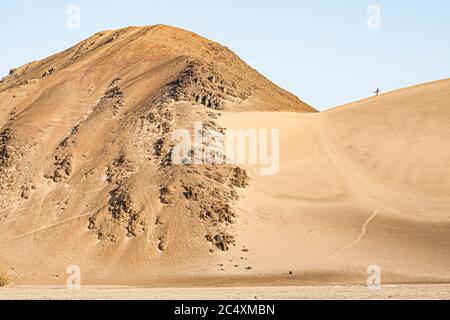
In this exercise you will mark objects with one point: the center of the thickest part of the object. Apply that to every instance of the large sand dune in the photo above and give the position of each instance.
(360, 185)
(85, 177)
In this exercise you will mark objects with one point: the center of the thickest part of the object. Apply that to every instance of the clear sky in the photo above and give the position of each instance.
(327, 52)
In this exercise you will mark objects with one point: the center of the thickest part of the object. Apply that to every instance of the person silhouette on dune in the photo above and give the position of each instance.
(377, 92)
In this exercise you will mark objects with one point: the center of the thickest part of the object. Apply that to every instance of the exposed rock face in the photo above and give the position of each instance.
(121, 209)
(199, 83)
(49, 72)
(5, 137)
(16, 179)
(86, 143)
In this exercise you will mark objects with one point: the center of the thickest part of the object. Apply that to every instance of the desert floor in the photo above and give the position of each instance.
(387, 292)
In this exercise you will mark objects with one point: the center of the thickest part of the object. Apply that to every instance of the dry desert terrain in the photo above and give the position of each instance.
(87, 179)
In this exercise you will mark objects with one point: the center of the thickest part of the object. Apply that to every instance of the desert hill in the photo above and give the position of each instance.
(86, 176)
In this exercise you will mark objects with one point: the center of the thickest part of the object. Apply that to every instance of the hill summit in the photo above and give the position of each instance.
(85, 145)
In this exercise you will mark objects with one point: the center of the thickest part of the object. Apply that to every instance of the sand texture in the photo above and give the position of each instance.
(86, 176)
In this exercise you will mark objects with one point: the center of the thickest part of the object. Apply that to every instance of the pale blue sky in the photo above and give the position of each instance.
(320, 50)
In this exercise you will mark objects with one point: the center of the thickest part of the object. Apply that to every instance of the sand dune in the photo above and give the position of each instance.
(86, 177)
(363, 184)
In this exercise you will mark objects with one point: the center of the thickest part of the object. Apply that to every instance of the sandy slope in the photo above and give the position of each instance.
(85, 178)
(364, 184)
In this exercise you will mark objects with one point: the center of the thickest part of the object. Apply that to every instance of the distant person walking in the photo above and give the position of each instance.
(377, 92)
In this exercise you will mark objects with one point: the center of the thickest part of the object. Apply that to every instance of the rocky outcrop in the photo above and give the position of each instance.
(5, 148)
(200, 82)
(49, 72)
(114, 96)
(16, 178)
(64, 158)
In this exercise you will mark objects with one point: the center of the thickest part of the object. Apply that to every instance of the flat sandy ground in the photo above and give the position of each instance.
(387, 292)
